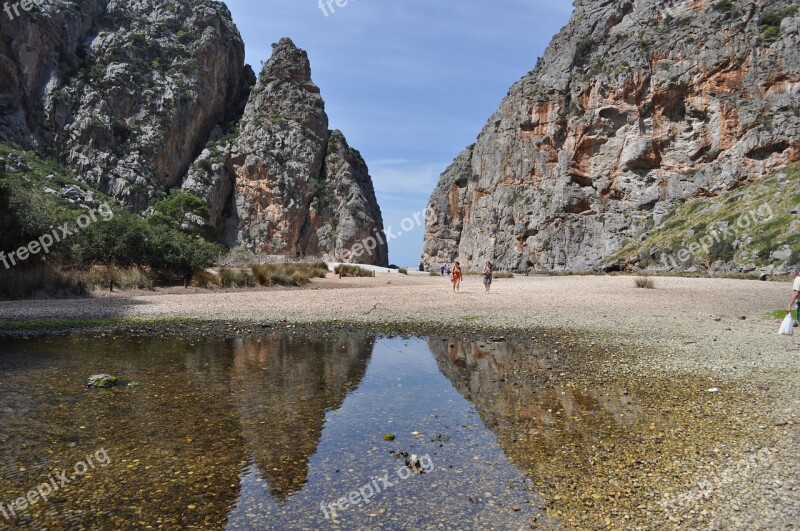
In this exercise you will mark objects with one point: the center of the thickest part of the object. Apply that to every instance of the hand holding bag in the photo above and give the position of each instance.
(786, 326)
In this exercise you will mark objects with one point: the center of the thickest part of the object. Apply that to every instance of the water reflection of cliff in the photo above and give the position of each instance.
(282, 389)
(543, 423)
(178, 442)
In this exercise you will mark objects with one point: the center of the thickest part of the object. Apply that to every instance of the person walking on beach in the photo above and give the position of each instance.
(488, 273)
(455, 278)
(441, 269)
(795, 293)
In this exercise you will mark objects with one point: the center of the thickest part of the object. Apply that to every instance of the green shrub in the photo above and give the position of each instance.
(583, 51)
(313, 270)
(281, 278)
(127, 240)
(137, 38)
(723, 6)
(262, 275)
(101, 278)
(122, 240)
(298, 279)
(26, 213)
(121, 129)
(321, 266)
(403, 271)
(134, 278)
(172, 242)
(288, 274)
(180, 211)
(504, 274)
(721, 250)
(770, 21)
(179, 253)
(771, 33)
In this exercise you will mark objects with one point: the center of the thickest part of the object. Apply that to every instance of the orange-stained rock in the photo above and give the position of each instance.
(634, 108)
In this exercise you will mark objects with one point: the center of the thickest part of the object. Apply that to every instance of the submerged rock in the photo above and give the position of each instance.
(101, 381)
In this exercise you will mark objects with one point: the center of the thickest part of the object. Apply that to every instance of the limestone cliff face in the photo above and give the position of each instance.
(285, 184)
(145, 96)
(126, 93)
(636, 107)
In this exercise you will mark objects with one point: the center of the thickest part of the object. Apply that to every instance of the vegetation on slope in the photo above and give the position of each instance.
(750, 227)
(112, 245)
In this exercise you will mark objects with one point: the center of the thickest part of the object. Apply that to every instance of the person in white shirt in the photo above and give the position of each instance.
(795, 293)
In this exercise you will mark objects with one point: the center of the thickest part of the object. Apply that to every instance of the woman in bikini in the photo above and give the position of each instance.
(455, 278)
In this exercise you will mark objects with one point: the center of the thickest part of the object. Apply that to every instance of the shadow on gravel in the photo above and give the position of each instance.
(49, 312)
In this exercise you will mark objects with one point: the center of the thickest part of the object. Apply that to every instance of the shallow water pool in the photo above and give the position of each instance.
(341, 431)
(248, 433)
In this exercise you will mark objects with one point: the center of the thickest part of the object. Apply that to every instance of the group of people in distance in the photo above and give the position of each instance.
(456, 275)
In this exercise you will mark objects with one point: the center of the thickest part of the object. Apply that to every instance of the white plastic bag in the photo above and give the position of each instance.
(786, 326)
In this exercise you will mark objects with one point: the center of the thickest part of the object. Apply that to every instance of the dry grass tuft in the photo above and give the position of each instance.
(645, 282)
(344, 270)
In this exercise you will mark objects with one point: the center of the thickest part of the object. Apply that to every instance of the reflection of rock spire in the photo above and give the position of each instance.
(283, 388)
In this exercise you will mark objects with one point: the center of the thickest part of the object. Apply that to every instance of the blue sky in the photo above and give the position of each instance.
(410, 83)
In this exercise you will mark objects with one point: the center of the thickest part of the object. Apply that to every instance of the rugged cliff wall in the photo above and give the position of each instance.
(283, 183)
(636, 107)
(128, 95)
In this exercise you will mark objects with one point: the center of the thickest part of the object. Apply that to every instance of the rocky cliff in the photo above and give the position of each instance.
(635, 108)
(130, 94)
(283, 183)
(126, 93)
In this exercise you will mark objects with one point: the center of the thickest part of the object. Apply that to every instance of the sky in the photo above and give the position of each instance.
(410, 83)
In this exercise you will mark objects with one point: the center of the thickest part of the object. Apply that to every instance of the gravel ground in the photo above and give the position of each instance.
(715, 328)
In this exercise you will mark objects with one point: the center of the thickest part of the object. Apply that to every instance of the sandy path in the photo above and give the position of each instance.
(540, 300)
(679, 309)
